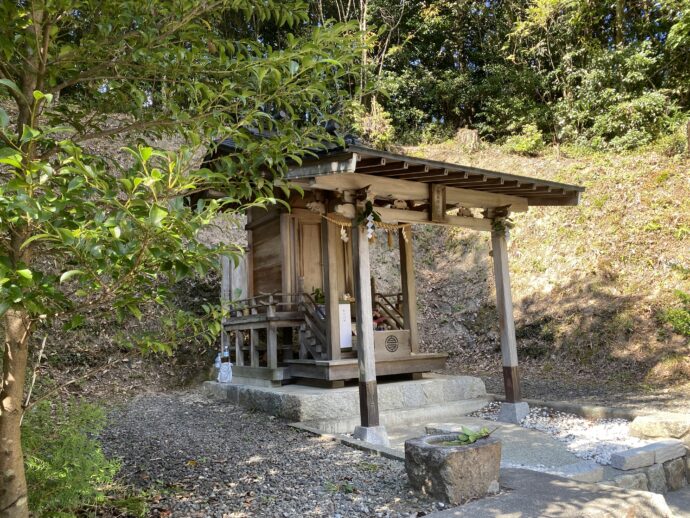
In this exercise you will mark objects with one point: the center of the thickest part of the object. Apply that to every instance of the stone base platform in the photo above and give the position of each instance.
(336, 410)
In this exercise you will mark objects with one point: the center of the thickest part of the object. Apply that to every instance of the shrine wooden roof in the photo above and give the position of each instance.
(355, 166)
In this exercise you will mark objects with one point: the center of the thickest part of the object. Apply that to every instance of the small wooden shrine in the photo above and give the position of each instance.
(303, 305)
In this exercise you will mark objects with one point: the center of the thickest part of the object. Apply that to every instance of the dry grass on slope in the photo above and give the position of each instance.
(589, 282)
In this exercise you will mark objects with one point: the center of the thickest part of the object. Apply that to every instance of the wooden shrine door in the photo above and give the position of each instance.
(309, 260)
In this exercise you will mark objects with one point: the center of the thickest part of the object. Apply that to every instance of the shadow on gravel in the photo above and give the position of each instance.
(202, 458)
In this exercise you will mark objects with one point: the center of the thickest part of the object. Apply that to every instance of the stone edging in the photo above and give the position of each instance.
(381, 451)
(583, 410)
(659, 467)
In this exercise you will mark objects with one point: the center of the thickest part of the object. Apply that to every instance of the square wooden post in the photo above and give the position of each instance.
(409, 287)
(504, 304)
(368, 396)
(329, 240)
(225, 287)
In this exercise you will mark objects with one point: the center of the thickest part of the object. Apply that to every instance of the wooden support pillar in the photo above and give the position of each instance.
(409, 287)
(368, 397)
(225, 299)
(504, 304)
(272, 346)
(330, 239)
(254, 355)
(239, 347)
(437, 200)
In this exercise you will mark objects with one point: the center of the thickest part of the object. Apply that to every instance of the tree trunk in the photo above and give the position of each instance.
(13, 491)
(620, 21)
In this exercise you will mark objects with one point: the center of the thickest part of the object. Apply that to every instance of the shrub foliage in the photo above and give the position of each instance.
(65, 466)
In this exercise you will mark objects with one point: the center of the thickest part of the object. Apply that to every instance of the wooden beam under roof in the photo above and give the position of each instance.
(448, 175)
(496, 185)
(487, 183)
(393, 189)
(382, 168)
(570, 199)
(422, 216)
(468, 180)
(370, 162)
(408, 169)
(436, 175)
(524, 188)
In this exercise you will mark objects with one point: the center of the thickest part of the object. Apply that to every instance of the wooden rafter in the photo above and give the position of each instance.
(394, 189)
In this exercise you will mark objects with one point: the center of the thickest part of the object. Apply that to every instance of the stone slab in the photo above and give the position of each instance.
(521, 447)
(529, 494)
(632, 459)
(585, 471)
(302, 403)
(632, 481)
(675, 471)
(402, 417)
(656, 479)
(373, 435)
(513, 412)
(665, 450)
(662, 424)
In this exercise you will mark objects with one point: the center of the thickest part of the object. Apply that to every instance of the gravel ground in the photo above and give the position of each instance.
(587, 439)
(203, 458)
(591, 392)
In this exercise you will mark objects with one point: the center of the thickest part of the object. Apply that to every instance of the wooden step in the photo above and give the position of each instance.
(345, 369)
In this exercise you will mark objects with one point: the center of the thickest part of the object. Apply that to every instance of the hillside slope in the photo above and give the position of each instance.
(589, 282)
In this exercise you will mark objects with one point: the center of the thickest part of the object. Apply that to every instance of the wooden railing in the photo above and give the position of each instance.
(277, 306)
(264, 304)
(315, 322)
(243, 315)
(389, 305)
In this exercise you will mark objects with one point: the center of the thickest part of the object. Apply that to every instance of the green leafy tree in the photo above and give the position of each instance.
(574, 69)
(81, 230)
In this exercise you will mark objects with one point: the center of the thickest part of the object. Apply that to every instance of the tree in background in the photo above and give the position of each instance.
(80, 231)
(605, 74)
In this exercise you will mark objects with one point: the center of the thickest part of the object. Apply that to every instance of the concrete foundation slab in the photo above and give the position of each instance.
(301, 403)
(513, 412)
(529, 494)
(522, 448)
(585, 471)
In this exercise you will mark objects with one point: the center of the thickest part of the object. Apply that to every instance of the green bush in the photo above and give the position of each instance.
(635, 122)
(674, 142)
(374, 126)
(679, 317)
(529, 142)
(66, 469)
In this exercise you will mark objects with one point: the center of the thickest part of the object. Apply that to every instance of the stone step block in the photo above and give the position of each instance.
(302, 403)
(632, 459)
(675, 474)
(585, 471)
(665, 450)
(634, 481)
(656, 478)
